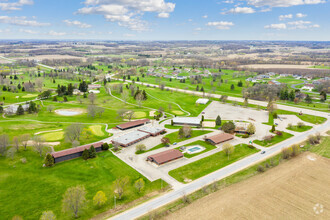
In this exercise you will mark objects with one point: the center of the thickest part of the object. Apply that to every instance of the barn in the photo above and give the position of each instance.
(72, 153)
(219, 138)
(133, 124)
(165, 156)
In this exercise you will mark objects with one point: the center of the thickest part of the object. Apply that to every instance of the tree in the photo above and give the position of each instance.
(99, 199)
(20, 110)
(50, 108)
(232, 87)
(38, 144)
(124, 96)
(218, 120)
(120, 185)
(273, 128)
(83, 87)
(45, 94)
(24, 138)
(228, 127)
(139, 98)
(49, 161)
(16, 142)
(73, 132)
(74, 200)
(246, 102)
(4, 142)
(139, 184)
(92, 98)
(85, 154)
(140, 148)
(308, 99)
(323, 95)
(186, 131)
(223, 98)
(1, 109)
(105, 146)
(228, 149)
(165, 140)
(271, 107)
(92, 110)
(92, 152)
(251, 129)
(48, 215)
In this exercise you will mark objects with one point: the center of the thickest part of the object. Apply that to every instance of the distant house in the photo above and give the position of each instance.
(308, 87)
(192, 121)
(94, 86)
(219, 138)
(181, 77)
(262, 77)
(72, 153)
(271, 74)
(77, 92)
(133, 124)
(274, 82)
(165, 156)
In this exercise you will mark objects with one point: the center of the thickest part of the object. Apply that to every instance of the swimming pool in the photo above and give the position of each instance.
(194, 149)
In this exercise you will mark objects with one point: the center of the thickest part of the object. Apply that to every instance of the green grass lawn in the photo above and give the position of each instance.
(300, 129)
(211, 163)
(320, 67)
(307, 118)
(29, 189)
(97, 130)
(207, 146)
(174, 137)
(276, 139)
(53, 136)
(322, 149)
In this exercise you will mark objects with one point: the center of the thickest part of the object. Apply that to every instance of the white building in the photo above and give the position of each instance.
(193, 121)
(202, 101)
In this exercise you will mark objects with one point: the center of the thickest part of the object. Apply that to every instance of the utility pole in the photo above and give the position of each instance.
(114, 198)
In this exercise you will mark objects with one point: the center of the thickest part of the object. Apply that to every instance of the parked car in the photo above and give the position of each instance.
(174, 143)
(203, 113)
(262, 152)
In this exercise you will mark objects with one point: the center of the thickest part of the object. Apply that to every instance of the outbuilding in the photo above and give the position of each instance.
(192, 121)
(133, 124)
(72, 153)
(219, 138)
(165, 156)
(202, 101)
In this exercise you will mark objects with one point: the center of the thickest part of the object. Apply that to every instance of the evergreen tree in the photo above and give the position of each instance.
(32, 107)
(232, 87)
(92, 152)
(308, 99)
(83, 87)
(218, 120)
(49, 161)
(85, 154)
(70, 89)
(55, 98)
(145, 97)
(292, 95)
(197, 88)
(1, 109)
(105, 146)
(20, 110)
(65, 99)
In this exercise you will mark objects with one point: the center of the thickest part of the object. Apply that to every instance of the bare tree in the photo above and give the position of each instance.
(50, 108)
(73, 132)
(38, 144)
(74, 200)
(130, 115)
(79, 99)
(4, 142)
(16, 142)
(139, 99)
(122, 113)
(186, 131)
(92, 110)
(39, 84)
(92, 98)
(24, 138)
(120, 185)
(124, 96)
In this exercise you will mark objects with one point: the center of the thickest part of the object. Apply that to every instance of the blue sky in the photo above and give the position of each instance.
(165, 19)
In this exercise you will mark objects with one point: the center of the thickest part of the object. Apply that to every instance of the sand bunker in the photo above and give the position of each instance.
(69, 112)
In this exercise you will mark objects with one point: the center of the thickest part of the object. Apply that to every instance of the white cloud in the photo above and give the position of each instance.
(128, 35)
(54, 33)
(300, 15)
(204, 16)
(283, 17)
(276, 26)
(240, 10)
(5, 30)
(21, 21)
(127, 13)
(190, 20)
(77, 23)
(28, 31)
(229, 1)
(14, 6)
(282, 3)
(221, 25)
(198, 29)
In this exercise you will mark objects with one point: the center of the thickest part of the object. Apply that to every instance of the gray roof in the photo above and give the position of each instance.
(130, 137)
(151, 130)
(187, 120)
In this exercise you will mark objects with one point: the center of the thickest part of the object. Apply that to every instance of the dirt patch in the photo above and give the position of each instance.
(70, 112)
(297, 189)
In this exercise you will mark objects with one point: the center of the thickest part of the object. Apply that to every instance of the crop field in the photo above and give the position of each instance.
(288, 191)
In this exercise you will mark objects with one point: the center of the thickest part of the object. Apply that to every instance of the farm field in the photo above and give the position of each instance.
(290, 190)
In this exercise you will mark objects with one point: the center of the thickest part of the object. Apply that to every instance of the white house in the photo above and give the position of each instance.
(308, 87)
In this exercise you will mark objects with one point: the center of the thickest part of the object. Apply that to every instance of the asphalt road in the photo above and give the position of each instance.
(217, 175)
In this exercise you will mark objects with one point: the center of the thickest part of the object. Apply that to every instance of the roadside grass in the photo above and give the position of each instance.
(300, 129)
(307, 118)
(207, 146)
(211, 163)
(322, 149)
(320, 67)
(53, 136)
(276, 139)
(40, 189)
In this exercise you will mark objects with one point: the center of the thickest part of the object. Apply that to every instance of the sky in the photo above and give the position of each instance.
(147, 20)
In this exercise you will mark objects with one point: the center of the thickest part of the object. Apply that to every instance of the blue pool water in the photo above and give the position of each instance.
(194, 149)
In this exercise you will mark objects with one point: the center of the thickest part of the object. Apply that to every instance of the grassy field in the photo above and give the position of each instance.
(174, 137)
(97, 130)
(276, 139)
(207, 146)
(320, 67)
(300, 129)
(322, 149)
(211, 163)
(53, 136)
(43, 187)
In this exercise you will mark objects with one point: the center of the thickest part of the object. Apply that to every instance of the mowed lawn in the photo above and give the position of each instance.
(29, 189)
(174, 137)
(205, 144)
(276, 139)
(211, 163)
(300, 129)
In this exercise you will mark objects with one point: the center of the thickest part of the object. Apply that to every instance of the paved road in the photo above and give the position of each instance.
(217, 175)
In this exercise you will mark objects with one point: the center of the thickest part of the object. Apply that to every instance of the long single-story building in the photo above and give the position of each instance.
(192, 121)
(153, 131)
(133, 124)
(130, 138)
(165, 156)
(219, 138)
(94, 86)
(72, 153)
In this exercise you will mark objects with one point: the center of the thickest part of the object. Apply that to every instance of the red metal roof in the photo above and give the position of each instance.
(219, 138)
(133, 123)
(75, 150)
(165, 156)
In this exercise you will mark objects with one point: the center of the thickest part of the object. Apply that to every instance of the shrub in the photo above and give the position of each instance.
(85, 154)
(275, 115)
(313, 140)
(105, 146)
(251, 146)
(267, 165)
(286, 153)
(92, 152)
(246, 136)
(49, 160)
(228, 127)
(260, 169)
(185, 199)
(295, 150)
(23, 160)
(278, 133)
(140, 148)
(290, 125)
(300, 124)
(273, 128)
(268, 137)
